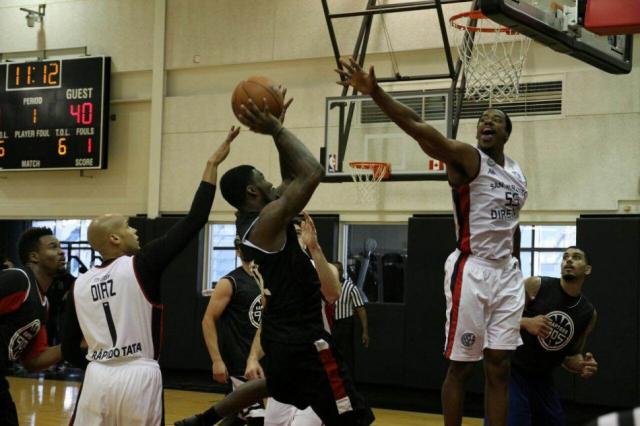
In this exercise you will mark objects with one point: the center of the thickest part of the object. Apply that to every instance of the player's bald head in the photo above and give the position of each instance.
(102, 227)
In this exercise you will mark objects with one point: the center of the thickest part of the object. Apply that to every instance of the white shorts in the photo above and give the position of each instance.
(485, 300)
(120, 393)
(280, 414)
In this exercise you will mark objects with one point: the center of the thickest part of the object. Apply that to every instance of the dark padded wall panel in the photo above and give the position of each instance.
(384, 361)
(327, 227)
(613, 245)
(431, 240)
(10, 231)
(183, 345)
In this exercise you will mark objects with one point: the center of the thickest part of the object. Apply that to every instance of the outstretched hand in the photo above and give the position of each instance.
(353, 75)
(282, 91)
(308, 232)
(262, 121)
(223, 150)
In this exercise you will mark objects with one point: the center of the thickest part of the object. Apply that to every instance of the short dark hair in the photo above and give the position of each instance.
(233, 184)
(586, 256)
(29, 242)
(237, 243)
(508, 125)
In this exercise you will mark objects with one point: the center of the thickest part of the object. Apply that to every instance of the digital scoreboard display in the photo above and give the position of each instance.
(54, 114)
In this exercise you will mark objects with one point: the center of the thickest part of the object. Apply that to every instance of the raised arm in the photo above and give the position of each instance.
(154, 256)
(303, 168)
(328, 273)
(218, 302)
(462, 159)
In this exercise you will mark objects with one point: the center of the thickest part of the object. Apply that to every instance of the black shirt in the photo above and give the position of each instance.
(292, 288)
(149, 263)
(238, 323)
(570, 316)
(23, 315)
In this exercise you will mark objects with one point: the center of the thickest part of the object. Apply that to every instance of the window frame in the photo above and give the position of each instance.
(533, 249)
(208, 284)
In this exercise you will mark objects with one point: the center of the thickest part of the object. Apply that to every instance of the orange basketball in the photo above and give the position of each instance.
(262, 91)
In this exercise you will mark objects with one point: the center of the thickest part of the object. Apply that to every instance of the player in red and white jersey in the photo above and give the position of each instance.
(483, 282)
(116, 308)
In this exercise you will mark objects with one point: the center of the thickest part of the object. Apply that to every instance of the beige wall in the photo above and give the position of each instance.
(586, 160)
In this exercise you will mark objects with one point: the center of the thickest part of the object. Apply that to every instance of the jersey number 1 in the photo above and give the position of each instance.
(110, 323)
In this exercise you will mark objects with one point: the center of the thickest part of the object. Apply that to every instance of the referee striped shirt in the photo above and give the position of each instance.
(624, 418)
(350, 299)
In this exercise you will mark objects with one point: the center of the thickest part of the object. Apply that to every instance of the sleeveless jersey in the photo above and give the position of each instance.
(486, 209)
(21, 327)
(238, 323)
(291, 285)
(117, 320)
(570, 316)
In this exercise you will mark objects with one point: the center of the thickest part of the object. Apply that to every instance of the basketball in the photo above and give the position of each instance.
(262, 91)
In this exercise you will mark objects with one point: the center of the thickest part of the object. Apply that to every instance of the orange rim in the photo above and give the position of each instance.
(478, 15)
(380, 169)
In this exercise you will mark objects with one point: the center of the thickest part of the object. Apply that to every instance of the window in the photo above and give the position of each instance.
(378, 253)
(72, 234)
(542, 247)
(220, 254)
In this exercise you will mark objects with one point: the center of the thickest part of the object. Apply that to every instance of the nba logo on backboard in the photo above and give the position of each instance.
(436, 164)
(333, 163)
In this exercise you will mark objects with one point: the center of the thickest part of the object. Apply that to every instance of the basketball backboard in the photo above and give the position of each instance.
(357, 130)
(559, 24)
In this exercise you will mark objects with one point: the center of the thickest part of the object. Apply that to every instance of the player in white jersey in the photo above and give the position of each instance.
(483, 283)
(116, 308)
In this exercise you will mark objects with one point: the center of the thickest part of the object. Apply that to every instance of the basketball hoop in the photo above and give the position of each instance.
(492, 57)
(367, 175)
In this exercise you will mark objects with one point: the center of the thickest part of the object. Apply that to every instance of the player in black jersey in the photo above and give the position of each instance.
(23, 310)
(302, 367)
(236, 306)
(555, 324)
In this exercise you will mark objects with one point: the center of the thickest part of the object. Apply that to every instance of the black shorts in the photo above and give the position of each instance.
(315, 375)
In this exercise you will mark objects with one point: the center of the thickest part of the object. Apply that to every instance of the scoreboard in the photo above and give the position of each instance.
(54, 114)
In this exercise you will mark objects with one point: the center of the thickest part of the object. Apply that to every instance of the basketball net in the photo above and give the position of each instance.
(492, 57)
(367, 175)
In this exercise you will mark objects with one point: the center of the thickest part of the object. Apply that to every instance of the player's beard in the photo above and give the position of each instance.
(568, 277)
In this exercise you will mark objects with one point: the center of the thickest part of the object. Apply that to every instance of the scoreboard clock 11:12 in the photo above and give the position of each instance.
(54, 114)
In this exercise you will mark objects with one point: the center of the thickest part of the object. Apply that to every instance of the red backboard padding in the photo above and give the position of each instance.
(612, 17)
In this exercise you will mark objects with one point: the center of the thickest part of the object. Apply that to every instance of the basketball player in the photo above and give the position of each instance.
(483, 282)
(278, 413)
(236, 306)
(23, 311)
(301, 366)
(557, 320)
(116, 307)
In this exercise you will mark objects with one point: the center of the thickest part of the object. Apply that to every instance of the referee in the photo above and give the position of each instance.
(343, 327)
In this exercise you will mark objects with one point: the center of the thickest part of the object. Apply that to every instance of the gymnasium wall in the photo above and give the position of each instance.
(585, 160)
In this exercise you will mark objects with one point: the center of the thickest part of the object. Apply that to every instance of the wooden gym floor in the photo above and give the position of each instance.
(50, 403)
